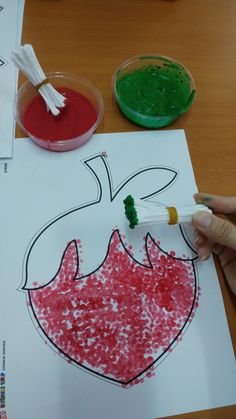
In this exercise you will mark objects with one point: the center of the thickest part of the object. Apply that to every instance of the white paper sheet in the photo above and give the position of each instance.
(50, 199)
(11, 17)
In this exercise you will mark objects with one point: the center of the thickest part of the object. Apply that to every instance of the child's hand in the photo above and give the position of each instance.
(217, 233)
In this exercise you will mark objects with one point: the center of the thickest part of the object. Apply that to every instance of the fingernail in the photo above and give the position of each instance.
(202, 219)
(206, 198)
(203, 257)
(203, 254)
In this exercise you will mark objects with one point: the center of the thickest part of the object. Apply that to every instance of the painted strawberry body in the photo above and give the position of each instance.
(117, 321)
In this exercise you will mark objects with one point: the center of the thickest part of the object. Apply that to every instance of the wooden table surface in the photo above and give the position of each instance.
(93, 37)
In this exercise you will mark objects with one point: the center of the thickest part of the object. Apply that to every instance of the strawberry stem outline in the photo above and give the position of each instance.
(111, 193)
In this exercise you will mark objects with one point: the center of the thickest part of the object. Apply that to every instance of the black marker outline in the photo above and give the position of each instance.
(113, 194)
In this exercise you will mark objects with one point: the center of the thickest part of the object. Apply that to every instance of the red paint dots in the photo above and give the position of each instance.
(119, 319)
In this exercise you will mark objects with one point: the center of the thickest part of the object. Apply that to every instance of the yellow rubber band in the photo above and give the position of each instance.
(173, 215)
(42, 83)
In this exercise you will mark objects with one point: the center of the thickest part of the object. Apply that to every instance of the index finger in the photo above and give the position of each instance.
(218, 204)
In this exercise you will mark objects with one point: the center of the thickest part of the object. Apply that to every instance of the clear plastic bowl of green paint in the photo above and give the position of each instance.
(75, 124)
(153, 90)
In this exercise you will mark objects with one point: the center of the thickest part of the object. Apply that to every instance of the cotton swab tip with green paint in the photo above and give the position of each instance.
(141, 212)
(130, 211)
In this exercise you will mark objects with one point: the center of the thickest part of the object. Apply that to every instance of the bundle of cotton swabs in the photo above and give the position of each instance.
(140, 212)
(25, 59)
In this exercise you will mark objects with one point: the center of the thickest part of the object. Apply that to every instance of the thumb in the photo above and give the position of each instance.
(215, 228)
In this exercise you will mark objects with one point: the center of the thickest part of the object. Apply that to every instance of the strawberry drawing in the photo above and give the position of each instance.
(110, 299)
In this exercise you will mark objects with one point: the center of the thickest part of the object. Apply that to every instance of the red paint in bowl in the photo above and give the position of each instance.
(76, 122)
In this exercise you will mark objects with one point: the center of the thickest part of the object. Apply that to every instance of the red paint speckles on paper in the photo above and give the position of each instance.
(118, 321)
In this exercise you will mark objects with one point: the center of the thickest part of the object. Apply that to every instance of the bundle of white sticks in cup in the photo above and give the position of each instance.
(25, 59)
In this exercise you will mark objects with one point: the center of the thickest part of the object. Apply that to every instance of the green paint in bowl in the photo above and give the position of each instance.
(153, 91)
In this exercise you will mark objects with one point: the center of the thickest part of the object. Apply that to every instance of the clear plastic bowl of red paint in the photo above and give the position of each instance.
(84, 106)
(153, 90)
